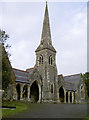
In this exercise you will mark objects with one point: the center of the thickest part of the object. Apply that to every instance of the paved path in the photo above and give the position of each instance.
(54, 111)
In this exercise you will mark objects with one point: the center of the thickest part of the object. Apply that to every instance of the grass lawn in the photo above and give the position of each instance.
(20, 106)
(87, 118)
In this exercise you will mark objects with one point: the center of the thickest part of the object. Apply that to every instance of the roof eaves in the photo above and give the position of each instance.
(22, 81)
(72, 75)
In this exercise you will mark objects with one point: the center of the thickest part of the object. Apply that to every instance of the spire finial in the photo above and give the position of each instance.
(46, 4)
(46, 26)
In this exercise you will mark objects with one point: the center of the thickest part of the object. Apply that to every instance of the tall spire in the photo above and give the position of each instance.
(46, 42)
(46, 35)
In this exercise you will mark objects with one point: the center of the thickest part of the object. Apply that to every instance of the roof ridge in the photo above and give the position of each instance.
(20, 70)
(72, 75)
(30, 68)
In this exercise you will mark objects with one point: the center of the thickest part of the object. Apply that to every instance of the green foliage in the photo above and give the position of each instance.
(20, 106)
(6, 70)
(3, 37)
(86, 80)
(6, 66)
(87, 118)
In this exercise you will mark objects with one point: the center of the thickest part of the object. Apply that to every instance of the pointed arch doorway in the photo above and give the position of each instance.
(35, 92)
(61, 94)
(18, 91)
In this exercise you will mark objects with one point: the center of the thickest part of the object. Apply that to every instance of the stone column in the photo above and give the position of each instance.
(21, 92)
(72, 97)
(68, 96)
(39, 97)
(64, 96)
(28, 95)
(76, 97)
(14, 92)
(58, 97)
(40, 92)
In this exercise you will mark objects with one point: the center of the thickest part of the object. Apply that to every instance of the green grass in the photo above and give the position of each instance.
(20, 106)
(87, 118)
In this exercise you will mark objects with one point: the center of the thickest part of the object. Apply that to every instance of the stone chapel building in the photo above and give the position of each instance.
(42, 83)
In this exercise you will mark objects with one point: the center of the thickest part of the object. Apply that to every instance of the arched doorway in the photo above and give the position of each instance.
(25, 91)
(18, 91)
(34, 92)
(67, 97)
(70, 97)
(61, 94)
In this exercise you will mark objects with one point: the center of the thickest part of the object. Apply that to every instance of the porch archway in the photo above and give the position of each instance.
(70, 97)
(25, 91)
(34, 92)
(61, 94)
(18, 91)
(67, 96)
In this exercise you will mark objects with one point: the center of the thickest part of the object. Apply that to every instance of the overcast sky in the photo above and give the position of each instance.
(68, 22)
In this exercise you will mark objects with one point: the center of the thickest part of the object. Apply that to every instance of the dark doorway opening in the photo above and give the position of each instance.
(61, 94)
(34, 92)
(74, 97)
(18, 91)
(70, 97)
(25, 91)
(67, 97)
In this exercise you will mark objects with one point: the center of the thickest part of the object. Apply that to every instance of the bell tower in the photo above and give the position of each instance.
(46, 61)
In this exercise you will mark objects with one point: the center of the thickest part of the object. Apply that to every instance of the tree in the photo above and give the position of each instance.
(86, 81)
(6, 66)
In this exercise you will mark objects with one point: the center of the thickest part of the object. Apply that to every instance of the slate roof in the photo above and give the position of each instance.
(21, 76)
(30, 70)
(71, 82)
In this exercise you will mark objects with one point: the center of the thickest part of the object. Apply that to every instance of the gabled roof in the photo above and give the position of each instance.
(21, 76)
(71, 82)
(46, 46)
(35, 75)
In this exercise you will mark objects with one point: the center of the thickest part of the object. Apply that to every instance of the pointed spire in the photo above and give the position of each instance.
(46, 42)
(46, 35)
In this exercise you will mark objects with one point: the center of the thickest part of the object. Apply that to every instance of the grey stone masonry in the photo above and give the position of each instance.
(46, 62)
(42, 82)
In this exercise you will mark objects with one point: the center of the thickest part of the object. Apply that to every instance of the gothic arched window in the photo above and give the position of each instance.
(50, 60)
(52, 88)
(41, 59)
